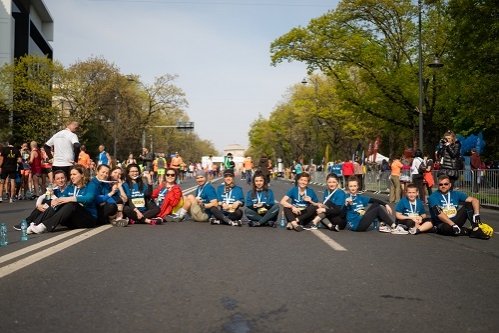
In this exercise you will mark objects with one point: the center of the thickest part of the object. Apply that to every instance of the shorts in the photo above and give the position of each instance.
(198, 214)
(25, 172)
(161, 171)
(46, 171)
(8, 173)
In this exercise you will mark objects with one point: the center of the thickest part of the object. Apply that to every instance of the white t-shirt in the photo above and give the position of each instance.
(62, 142)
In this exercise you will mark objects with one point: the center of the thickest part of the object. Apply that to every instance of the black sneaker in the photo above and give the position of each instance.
(310, 226)
(272, 224)
(478, 233)
(18, 226)
(253, 224)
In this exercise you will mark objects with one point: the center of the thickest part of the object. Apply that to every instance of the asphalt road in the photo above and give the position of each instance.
(196, 277)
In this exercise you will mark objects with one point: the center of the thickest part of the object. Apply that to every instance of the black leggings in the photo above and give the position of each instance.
(306, 215)
(152, 210)
(71, 214)
(335, 218)
(270, 215)
(463, 213)
(36, 213)
(410, 223)
(105, 211)
(234, 216)
(374, 211)
(417, 179)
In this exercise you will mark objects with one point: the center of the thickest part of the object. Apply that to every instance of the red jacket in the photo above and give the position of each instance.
(171, 199)
(348, 169)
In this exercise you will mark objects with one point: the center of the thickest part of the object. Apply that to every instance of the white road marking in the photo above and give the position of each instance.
(331, 243)
(36, 246)
(4, 271)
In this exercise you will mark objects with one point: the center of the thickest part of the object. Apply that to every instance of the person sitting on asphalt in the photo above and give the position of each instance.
(42, 210)
(304, 203)
(230, 199)
(410, 211)
(139, 207)
(117, 175)
(448, 217)
(198, 206)
(75, 208)
(332, 211)
(169, 198)
(360, 215)
(107, 191)
(261, 208)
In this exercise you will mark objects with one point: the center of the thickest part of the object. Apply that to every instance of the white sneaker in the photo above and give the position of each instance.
(29, 230)
(413, 231)
(399, 230)
(39, 229)
(385, 228)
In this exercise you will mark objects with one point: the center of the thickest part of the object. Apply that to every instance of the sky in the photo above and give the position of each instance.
(220, 49)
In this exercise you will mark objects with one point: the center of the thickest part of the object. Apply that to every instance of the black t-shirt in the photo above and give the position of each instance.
(10, 156)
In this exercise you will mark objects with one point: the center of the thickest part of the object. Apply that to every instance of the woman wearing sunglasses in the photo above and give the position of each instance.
(169, 198)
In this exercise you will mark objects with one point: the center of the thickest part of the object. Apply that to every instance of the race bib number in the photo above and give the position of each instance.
(361, 212)
(413, 215)
(139, 202)
(450, 211)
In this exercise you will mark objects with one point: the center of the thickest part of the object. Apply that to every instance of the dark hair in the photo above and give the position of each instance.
(304, 174)
(265, 184)
(129, 180)
(442, 177)
(103, 166)
(171, 169)
(353, 179)
(333, 175)
(418, 153)
(56, 172)
(412, 185)
(83, 171)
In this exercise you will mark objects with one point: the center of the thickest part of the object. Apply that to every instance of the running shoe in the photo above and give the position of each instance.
(310, 226)
(39, 229)
(414, 231)
(399, 230)
(119, 223)
(385, 228)
(478, 233)
(156, 220)
(17, 227)
(237, 223)
(214, 221)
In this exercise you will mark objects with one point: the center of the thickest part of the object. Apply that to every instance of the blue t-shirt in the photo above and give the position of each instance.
(235, 194)
(103, 190)
(265, 197)
(337, 169)
(206, 193)
(84, 196)
(298, 169)
(356, 210)
(103, 158)
(337, 197)
(297, 199)
(449, 203)
(136, 195)
(405, 207)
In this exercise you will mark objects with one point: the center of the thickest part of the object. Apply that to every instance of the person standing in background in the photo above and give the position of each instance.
(449, 155)
(104, 157)
(84, 158)
(66, 148)
(476, 165)
(9, 159)
(395, 190)
(347, 169)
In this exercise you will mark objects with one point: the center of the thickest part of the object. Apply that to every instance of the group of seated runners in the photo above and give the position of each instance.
(122, 199)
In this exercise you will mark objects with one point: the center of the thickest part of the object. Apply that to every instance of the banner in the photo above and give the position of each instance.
(375, 149)
(369, 150)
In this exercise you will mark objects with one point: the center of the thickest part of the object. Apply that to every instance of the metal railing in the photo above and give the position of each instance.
(480, 184)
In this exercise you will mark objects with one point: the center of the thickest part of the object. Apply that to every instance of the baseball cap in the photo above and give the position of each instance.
(229, 172)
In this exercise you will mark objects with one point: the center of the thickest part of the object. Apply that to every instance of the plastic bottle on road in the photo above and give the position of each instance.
(3, 235)
(283, 221)
(24, 232)
(375, 224)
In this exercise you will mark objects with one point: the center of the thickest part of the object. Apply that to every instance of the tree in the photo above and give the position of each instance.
(26, 94)
(369, 48)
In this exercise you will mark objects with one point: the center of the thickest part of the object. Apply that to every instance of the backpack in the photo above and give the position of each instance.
(422, 166)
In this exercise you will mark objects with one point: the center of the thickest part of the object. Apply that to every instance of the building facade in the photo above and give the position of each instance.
(26, 27)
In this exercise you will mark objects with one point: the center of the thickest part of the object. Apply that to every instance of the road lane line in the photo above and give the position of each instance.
(331, 243)
(36, 246)
(11, 268)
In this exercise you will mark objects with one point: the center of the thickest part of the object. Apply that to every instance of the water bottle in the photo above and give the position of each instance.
(47, 194)
(24, 232)
(3, 235)
(283, 221)
(375, 224)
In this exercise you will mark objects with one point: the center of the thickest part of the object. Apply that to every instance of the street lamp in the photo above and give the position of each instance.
(435, 65)
(316, 120)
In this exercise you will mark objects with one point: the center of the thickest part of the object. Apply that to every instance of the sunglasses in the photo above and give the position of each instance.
(443, 184)
(170, 174)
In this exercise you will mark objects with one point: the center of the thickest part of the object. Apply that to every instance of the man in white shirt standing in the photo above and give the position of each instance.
(66, 148)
